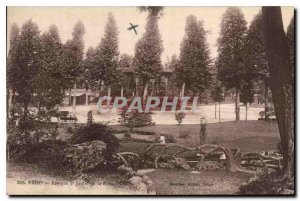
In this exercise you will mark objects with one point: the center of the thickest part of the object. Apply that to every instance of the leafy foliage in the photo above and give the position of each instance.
(135, 119)
(231, 48)
(184, 134)
(90, 119)
(37, 145)
(265, 182)
(247, 93)
(89, 65)
(24, 61)
(86, 156)
(257, 67)
(179, 116)
(107, 53)
(122, 78)
(203, 130)
(148, 50)
(96, 131)
(73, 52)
(194, 64)
(217, 92)
(169, 138)
(34, 70)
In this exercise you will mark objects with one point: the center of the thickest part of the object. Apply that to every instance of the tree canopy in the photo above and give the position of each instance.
(194, 59)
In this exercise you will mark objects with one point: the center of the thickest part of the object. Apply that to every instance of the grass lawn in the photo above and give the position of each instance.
(246, 135)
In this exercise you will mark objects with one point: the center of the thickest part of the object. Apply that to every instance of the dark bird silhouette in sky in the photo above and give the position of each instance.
(133, 27)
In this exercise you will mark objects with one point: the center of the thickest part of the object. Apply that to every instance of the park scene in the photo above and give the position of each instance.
(150, 101)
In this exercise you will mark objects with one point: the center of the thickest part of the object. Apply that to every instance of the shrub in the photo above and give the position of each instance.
(90, 119)
(96, 131)
(169, 138)
(203, 133)
(135, 119)
(38, 146)
(70, 130)
(127, 136)
(215, 141)
(266, 114)
(265, 182)
(179, 116)
(184, 134)
(86, 156)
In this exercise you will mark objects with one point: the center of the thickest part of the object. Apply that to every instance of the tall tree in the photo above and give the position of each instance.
(194, 66)
(148, 50)
(25, 65)
(49, 82)
(14, 37)
(123, 80)
(282, 82)
(73, 58)
(217, 96)
(108, 53)
(255, 70)
(89, 65)
(247, 94)
(173, 79)
(291, 42)
(231, 52)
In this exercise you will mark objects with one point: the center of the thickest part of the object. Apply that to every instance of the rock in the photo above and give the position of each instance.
(142, 187)
(195, 172)
(123, 168)
(128, 171)
(181, 162)
(163, 165)
(288, 192)
(145, 178)
(143, 171)
(135, 180)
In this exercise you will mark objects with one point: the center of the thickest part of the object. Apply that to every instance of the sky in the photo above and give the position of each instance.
(171, 24)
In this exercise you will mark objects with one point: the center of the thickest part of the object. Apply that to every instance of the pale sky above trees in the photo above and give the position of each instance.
(171, 24)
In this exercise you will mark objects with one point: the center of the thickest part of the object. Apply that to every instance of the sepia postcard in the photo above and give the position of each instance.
(150, 100)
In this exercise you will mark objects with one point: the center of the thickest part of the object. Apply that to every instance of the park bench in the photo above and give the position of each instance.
(66, 117)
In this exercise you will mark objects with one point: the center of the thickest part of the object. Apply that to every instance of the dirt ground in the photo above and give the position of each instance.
(207, 182)
(166, 182)
(168, 118)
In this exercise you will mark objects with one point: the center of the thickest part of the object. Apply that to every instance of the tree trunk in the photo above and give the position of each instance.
(167, 85)
(246, 111)
(145, 91)
(70, 96)
(74, 98)
(86, 97)
(215, 110)
(266, 95)
(237, 105)
(182, 89)
(136, 89)
(101, 88)
(10, 98)
(122, 91)
(219, 112)
(281, 82)
(152, 89)
(108, 91)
